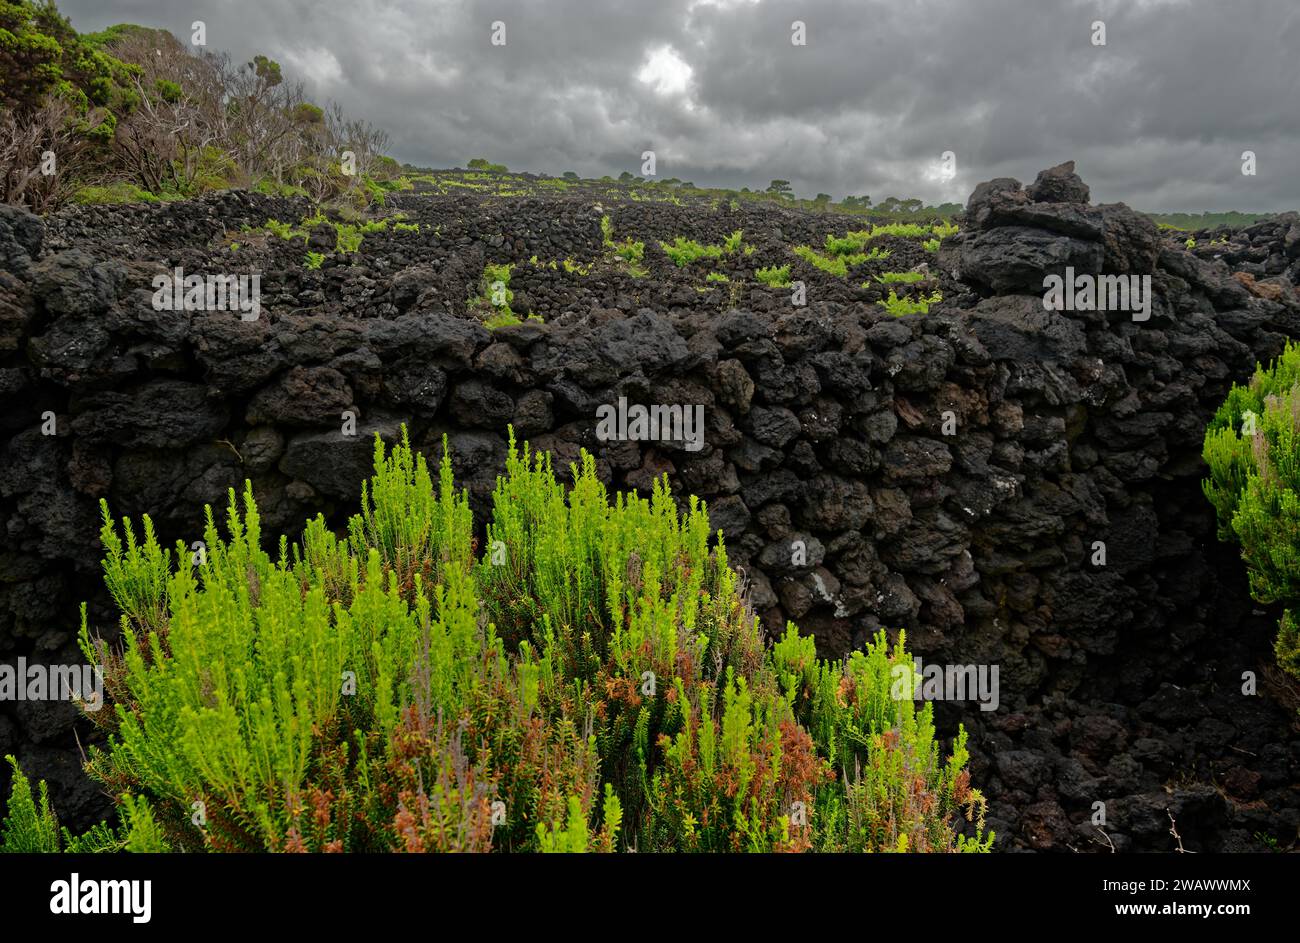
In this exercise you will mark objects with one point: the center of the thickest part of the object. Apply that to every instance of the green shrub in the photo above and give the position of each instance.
(29, 825)
(594, 681)
(838, 264)
(774, 276)
(853, 243)
(684, 251)
(716, 277)
(495, 296)
(284, 230)
(901, 306)
(850, 244)
(1252, 448)
(314, 259)
(903, 230)
(905, 278)
(630, 251)
(347, 237)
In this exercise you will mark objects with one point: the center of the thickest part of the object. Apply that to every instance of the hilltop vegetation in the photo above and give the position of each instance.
(1197, 221)
(132, 114)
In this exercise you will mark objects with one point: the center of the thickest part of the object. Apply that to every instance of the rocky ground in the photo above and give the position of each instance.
(1120, 683)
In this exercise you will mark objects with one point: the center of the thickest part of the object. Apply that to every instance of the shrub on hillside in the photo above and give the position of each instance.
(1252, 446)
(138, 105)
(593, 681)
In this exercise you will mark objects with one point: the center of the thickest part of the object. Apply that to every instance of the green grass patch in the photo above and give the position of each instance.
(122, 191)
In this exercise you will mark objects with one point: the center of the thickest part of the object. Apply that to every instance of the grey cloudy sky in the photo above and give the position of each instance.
(1158, 117)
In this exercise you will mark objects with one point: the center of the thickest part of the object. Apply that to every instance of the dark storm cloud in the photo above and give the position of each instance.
(1158, 117)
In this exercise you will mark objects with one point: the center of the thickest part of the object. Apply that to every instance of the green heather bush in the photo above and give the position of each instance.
(774, 276)
(902, 306)
(495, 296)
(590, 678)
(1252, 447)
(684, 251)
(903, 230)
(284, 230)
(630, 251)
(852, 243)
(838, 264)
(30, 826)
(347, 238)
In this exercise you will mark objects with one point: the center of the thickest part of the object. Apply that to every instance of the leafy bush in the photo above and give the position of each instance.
(30, 827)
(314, 260)
(684, 251)
(347, 238)
(284, 230)
(902, 306)
(838, 264)
(594, 681)
(905, 278)
(716, 277)
(903, 230)
(850, 244)
(495, 296)
(630, 251)
(774, 276)
(1252, 447)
